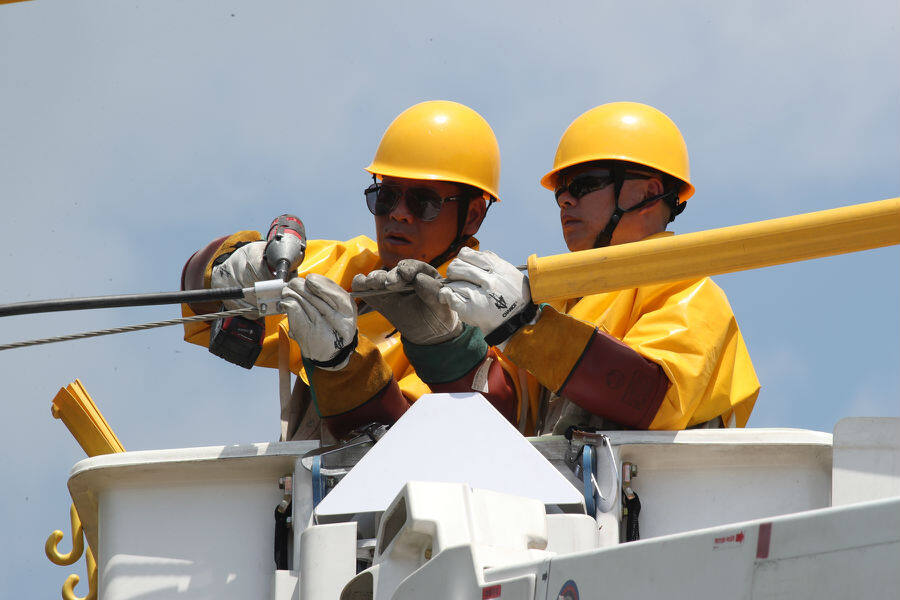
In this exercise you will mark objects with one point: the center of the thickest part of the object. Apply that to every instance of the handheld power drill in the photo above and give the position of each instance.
(238, 339)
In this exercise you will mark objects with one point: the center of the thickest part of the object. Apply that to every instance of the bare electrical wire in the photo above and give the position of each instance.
(129, 328)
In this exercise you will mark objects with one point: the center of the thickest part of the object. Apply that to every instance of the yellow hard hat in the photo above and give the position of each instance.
(627, 131)
(440, 140)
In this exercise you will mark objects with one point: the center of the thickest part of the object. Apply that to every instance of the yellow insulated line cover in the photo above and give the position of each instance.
(74, 406)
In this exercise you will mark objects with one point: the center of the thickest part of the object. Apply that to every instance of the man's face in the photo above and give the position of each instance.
(583, 219)
(402, 235)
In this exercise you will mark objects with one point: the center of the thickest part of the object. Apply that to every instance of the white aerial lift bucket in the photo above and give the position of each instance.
(453, 503)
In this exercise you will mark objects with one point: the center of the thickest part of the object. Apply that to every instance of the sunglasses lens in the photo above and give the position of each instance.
(382, 199)
(424, 203)
(560, 191)
(582, 186)
(371, 194)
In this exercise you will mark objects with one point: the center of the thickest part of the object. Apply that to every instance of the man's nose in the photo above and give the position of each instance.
(401, 212)
(566, 200)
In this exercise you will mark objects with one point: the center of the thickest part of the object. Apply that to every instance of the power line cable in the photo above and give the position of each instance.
(129, 328)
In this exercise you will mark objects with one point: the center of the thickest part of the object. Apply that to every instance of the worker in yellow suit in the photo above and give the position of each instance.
(667, 356)
(435, 173)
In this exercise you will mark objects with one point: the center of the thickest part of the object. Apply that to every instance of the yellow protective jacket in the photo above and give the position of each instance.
(379, 382)
(686, 330)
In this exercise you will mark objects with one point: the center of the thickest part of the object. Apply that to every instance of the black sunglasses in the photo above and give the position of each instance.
(424, 203)
(582, 185)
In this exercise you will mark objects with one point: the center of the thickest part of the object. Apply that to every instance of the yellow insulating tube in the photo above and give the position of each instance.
(716, 251)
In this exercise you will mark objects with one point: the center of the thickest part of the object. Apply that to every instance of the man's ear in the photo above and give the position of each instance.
(655, 187)
(475, 215)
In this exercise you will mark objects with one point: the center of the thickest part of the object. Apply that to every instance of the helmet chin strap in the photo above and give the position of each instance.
(461, 238)
(604, 237)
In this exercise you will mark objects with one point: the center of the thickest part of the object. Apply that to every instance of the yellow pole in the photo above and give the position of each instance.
(716, 251)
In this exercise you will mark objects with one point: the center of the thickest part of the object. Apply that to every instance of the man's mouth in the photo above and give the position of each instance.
(395, 238)
(570, 222)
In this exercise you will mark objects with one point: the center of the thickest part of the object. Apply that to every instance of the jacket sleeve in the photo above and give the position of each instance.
(363, 392)
(689, 329)
(591, 368)
(465, 364)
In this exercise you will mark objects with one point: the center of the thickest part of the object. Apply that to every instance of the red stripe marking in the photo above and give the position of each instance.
(762, 543)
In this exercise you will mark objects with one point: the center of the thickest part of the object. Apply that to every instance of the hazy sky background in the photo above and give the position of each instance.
(131, 133)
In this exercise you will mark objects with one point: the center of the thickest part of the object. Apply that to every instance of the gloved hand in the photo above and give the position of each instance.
(489, 293)
(419, 316)
(243, 268)
(322, 319)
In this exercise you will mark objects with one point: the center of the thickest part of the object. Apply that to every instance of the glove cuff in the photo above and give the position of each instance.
(338, 358)
(448, 361)
(506, 329)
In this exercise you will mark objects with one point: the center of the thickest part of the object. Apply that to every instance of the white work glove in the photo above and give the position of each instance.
(489, 293)
(322, 319)
(419, 316)
(243, 268)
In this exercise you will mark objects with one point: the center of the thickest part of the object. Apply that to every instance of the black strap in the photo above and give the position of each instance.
(605, 236)
(226, 255)
(282, 535)
(340, 356)
(506, 329)
(676, 206)
(462, 213)
(631, 510)
(618, 173)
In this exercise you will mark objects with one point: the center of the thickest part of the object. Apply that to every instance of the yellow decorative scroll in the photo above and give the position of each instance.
(77, 410)
(50, 547)
(68, 589)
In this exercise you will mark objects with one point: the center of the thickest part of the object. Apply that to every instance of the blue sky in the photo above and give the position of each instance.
(133, 132)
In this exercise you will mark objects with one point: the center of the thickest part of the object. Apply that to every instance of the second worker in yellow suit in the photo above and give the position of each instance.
(666, 356)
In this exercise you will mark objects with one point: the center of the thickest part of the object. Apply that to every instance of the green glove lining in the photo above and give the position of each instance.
(450, 360)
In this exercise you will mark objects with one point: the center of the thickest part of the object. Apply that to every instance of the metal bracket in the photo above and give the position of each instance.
(266, 296)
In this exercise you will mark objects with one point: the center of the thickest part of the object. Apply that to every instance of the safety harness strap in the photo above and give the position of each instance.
(631, 510)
